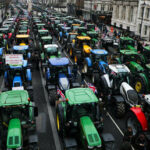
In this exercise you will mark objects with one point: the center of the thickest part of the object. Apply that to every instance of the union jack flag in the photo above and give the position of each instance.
(60, 93)
(92, 87)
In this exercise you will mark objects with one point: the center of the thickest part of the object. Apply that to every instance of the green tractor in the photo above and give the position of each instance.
(139, 69)
(18, 127)
(127, 43)
(82, 31)
(94, 38)
(44, 41)
(78, 119)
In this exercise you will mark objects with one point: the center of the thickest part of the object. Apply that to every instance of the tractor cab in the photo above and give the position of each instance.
(81, 108)
(50, 51)
(119, 73)
(127, 43)
(77, 21)
(24, 50)
(90, 27)
(82, 31)
(4, 31)
(74, 27)
(107, 42)
(40, 26)
(99, 55)
(63, 34)
(146, 53)
(127, 56)
(94, 38)
(43, 33)
(59, 72)
(18, 113)
(22, 39)
(46, 40)
(23, 32)
(18, 73)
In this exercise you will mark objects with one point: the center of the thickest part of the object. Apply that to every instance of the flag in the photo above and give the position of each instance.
(92, 87)
(60, 93)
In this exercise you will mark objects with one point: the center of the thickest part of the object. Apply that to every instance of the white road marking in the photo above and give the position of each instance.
(51, 117)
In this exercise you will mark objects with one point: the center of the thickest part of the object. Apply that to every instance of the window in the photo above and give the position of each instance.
(117, 12)
(148, 13)
(145, 30)
(102, 7)
(139, 28)
(124, 13)
(131, 14)
(142, 12)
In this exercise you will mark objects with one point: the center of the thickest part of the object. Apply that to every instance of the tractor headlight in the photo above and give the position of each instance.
(99, 146)
(90, 147)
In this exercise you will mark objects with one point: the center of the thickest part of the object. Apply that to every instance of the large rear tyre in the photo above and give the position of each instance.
(133, 122)
(60, 120)
(120, 109)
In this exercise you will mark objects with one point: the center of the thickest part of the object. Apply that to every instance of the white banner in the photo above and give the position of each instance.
(14, 59)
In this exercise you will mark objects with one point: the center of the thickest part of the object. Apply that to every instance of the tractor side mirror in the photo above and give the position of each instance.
(35, 111)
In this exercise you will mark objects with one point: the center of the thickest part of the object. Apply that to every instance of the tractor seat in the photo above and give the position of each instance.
(133, 97)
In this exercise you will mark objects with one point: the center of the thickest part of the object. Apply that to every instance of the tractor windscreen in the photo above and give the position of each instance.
(79, 111)
(17, 111)
(72, 37)
(22, 41)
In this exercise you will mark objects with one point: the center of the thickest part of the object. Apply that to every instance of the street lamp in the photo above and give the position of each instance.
(143, 5)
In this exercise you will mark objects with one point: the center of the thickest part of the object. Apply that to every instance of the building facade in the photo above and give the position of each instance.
(143, 19)
(125, 14)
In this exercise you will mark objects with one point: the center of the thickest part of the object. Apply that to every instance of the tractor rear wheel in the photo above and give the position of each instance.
(120, 109)
(133, 122)
(52, 97)
(60, 120)
(140, 85)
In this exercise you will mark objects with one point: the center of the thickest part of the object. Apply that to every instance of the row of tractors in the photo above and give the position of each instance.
(17, 107)
(121, 79)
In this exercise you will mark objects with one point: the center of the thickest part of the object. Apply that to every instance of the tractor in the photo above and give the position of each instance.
(94, 38)
(96, 64)
(42, 33)
(50, 51)
(74, 27)
(80, 49)
(139, 69)
(82, 31)
(18, 126)
(139, 120)
(45, 40)
(107, 42)
(78, 115)
(90, 27)
(58, 75)
(70, 41)
(17, 73)
(127, 43)
(63, 34)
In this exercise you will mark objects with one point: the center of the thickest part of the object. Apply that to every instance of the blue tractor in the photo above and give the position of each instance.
(63, 34)
(59, 76)
(96, 64)
(24, 50)
(18, 76)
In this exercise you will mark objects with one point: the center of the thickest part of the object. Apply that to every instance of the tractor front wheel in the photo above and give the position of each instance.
(60, 120)
(120, 109)
(133, 122)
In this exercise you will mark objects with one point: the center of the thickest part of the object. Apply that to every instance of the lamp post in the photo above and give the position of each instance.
(143, 5)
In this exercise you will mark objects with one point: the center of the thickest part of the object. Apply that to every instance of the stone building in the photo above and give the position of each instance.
(125, 14)
(143, 19)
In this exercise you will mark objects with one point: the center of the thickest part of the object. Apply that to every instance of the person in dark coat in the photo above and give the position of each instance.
(141, 142)
(128, 135)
